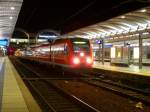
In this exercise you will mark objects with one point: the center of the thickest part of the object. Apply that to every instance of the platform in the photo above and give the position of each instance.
(132, 69)
(15, 97)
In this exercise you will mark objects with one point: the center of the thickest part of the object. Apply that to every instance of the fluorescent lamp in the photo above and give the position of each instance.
(136, 53)
(12, 8)
(113, 52)
(11, 17)
(143, 10)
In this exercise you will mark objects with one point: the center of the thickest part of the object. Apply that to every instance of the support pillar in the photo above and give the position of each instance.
(103, 51)
(140, 51)
(99, 56)
(129, 54)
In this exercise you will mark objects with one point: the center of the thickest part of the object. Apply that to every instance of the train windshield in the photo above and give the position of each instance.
(81, 45)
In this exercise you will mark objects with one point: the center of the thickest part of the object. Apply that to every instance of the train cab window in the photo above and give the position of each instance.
(81, 46)
(66, 50)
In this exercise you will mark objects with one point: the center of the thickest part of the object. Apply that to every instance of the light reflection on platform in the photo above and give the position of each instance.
(133, 69)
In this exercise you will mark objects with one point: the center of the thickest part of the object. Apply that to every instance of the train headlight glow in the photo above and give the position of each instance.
(81, 54)
(76, 60)
(88, 60)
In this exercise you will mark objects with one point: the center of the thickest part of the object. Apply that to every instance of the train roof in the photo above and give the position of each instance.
(70, 38)
(56, 40)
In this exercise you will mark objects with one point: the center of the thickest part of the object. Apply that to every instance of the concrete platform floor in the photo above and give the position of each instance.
(15, 95)
(132, 69)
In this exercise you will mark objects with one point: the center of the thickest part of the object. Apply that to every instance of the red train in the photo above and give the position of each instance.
(70, 52)
(10, 50)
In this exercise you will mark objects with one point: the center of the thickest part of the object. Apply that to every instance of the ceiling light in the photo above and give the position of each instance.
(143, 10)
(123, 17)
(11, 17)
(12, 8)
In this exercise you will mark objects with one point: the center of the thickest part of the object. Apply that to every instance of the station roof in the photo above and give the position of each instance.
(9, 11)
(123, 25)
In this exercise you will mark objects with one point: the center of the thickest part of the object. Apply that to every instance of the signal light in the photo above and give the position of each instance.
(81, 54)
(76, 60)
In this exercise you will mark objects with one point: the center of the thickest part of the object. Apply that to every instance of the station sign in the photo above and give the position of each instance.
(3, 42)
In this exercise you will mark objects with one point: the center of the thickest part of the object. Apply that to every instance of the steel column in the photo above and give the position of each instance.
(99, 56)
(102, 40)
(128, 54)
(140, 51)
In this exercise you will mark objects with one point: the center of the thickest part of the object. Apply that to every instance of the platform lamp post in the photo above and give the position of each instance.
(128, 45)
(102, 41)
(53, 35)
(28, 44)
(27, 34)
(99, 44)
(140, 50)
(101, 50)
(28, 41)
(28, 38)
(129, 49)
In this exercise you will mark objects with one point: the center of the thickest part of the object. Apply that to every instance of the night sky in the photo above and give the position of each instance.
(68, 15)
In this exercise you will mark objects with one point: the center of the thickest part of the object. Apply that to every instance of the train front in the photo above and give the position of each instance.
(82, 52)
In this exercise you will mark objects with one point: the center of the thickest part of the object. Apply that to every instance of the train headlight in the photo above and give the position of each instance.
(81, 54)
(88, 60)
(76, 60)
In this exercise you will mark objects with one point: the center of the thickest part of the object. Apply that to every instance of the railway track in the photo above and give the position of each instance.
(132, 93)
(49, 96)
(99, 81)
(117, 87)
(53, 99)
